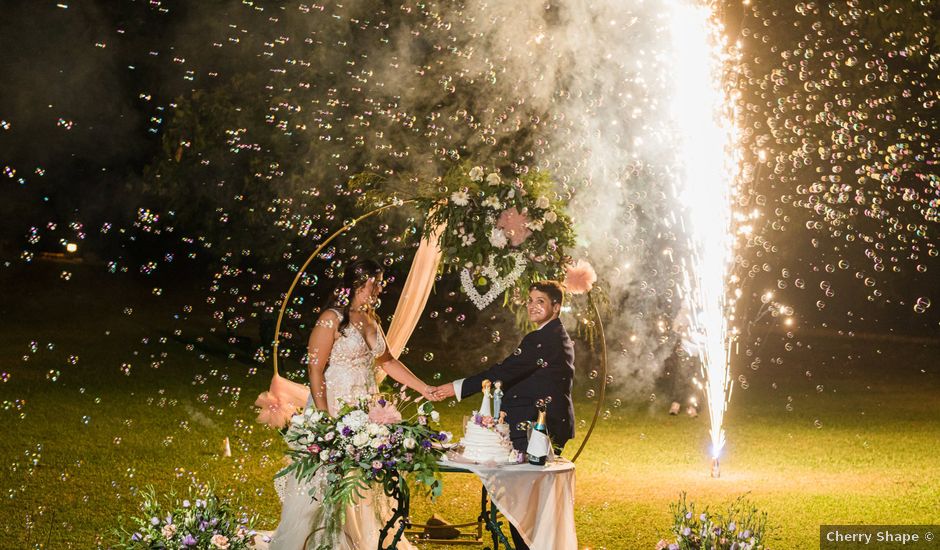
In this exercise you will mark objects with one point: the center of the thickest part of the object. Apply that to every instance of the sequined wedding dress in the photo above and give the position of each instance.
(350, 375)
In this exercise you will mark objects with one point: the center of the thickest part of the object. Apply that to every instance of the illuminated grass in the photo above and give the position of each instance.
(869, 462)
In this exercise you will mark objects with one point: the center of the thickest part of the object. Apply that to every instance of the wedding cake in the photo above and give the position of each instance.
(486, 435)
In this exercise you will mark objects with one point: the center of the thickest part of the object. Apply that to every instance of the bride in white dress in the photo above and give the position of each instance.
(345, 352)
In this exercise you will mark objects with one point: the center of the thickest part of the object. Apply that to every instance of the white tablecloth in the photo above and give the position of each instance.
(538, 500)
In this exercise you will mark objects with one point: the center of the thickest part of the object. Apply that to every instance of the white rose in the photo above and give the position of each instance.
(551, 216)
(542, 202)
(476, 173)
(435, 416)
(498, 238)
(360, 439)
(378, 442)
(409, 443)
(493, 179)
(324, 455)
(297, 420)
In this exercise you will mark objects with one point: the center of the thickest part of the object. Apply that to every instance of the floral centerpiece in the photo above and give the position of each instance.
(367, 443)
(741, 527)
(203, 520)
(501, 232)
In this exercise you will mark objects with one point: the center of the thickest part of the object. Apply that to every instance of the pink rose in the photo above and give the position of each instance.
(219, 541)
(377, 464)
(513, 223)
(313, 449)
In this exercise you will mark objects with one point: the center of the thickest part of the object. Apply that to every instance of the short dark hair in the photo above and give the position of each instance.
(554, 289)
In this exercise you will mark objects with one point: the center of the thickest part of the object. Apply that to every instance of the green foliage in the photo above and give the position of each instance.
(740, 527)
(490, 221)
(204, 520)
(365, 445)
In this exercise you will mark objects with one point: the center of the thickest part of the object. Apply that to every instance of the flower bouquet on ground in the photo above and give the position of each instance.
(741, 527)
(366, 444)
(203, 520)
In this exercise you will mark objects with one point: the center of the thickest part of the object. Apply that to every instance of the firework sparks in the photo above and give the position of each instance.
(700, 107)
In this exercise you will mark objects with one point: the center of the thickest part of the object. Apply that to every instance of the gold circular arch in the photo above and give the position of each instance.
(353, 223)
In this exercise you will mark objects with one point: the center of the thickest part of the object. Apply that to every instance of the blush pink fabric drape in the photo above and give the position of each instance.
(414, 295)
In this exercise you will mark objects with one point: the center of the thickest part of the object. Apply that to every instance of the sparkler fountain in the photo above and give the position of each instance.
(701, 109)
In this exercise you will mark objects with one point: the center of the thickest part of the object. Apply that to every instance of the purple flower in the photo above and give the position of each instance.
(382, 402)
(189, 540)
(186, 504)
(200, 503)
(426, 444)
(673, 546)
(732, 526)
(155, 521)
(746, 534)
(214, 522)
(137, 536)
(202, 525)
(686, 532)
(346, 431)
(441, 436)
(688, 515)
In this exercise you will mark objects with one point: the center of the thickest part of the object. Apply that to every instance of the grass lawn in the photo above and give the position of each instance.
(860, 443)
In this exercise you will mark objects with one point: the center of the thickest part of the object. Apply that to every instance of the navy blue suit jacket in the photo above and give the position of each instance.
(542, 367)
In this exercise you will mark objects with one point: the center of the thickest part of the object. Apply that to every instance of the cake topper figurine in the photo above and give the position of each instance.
(486, 407)
(497, 398)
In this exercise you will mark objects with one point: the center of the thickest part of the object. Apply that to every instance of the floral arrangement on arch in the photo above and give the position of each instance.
(204, 520)
(367, 443)
(500, 232)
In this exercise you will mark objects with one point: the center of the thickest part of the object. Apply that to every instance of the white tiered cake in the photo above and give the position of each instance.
(486, 435)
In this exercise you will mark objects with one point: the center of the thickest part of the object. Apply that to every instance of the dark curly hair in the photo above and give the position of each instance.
(355, 274)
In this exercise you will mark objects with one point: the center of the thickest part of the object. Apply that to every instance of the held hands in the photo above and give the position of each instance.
(430, 393)
(443, 392)
(438, 393)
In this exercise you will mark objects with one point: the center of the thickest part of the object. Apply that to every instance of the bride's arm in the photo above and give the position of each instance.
(318, 355)
(403, 375)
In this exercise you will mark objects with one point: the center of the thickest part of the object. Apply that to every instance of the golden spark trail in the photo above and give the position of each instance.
(700, 107)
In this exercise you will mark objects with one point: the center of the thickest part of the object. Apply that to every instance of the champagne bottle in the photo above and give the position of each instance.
(537, 451)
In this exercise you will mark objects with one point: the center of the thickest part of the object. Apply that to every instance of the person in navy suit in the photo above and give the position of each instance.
(539, 371)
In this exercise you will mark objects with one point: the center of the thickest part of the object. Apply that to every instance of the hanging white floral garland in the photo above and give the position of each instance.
(499, 285)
